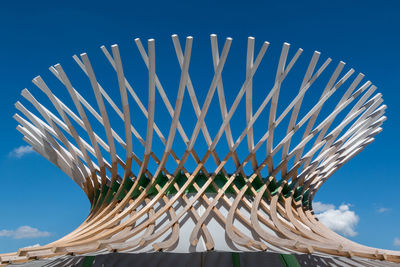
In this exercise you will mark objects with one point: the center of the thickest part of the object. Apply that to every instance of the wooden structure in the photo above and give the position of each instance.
(168, 189)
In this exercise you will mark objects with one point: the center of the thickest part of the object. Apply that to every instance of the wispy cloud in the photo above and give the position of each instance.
(24, 232)
(396, 242)
(382, 210)
(20, 151)
(341, 220)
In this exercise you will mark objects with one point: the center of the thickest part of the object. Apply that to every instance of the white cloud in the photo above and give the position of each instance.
(341, 220)
(396, 242)
(20, 151)
(24, 232)
(321, 207)
(382, 210)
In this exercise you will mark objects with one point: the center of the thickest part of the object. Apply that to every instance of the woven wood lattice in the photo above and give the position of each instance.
(169, 188)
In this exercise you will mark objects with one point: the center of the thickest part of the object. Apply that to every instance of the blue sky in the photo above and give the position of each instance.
(35, 35)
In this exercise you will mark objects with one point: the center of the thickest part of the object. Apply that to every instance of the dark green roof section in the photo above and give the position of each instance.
(143, 182)
(88, 261)
(297, 193)
(289, 260)
(125, 188)
(273, 186)
(236, 259)
(200, 179)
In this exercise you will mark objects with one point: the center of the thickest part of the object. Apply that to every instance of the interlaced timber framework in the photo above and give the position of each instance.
(166, 197)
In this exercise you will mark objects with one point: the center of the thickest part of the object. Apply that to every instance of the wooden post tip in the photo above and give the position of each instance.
(36, 79)
(24, 92)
